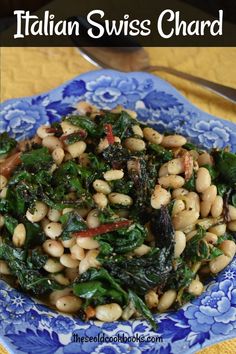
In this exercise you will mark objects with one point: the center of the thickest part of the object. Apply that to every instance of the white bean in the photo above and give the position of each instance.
(76, 149)
(103, 144)
(101, 186)
(3, 181)
(19, 235)
(89, 261)
(4, 269)
(205, 159)
(3, 193)
(173, 141)
(84, 159)
(219, 230)
(83, 212)
(142, 250)
(92, 219)
(121, 199)
(172, 181)
(53, 248)
(203, 180)
(60, 279)
(112, 175)
(54, 215)
(67, 157)
(152, 135)
(192, 201)
(66, 210)
(68, 304)
(196, 287)
(160, 197)
(77, 252)
(232, 225)
(39, 212)
(87, 243)
(57, 294)
(72, 273)
(53, 265)
(52, 143)
(69, 243)
(185, 218)
(134, 144)
(101, 200)
(166, 300)
(209, 195)
(163, 171)
(219, 263)
(58, 155)
(67, 261)
(85, 108)
(137, 130)
(232, 212)
(178, 206)
(217, 207)
(44, 223)
(205, 207)
(43, 131)
(180, 243)
(53, 230)
(109, 312)
(211, 238)
(179, 192)
(83, 266)
(68, 128)
(2, 221)
(128, 311)
(151, 299)
(228, 247)
(175, 166)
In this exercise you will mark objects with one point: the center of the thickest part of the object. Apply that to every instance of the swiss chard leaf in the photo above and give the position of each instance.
(85, 123)
(163, 154)
(10, 223)
(213, 172)
(121, 124)
(162, 229)
(27, 269)
(141, 274)
(34, 234)
(190, 185)
(37, 159)
(7, 144)
(222, 189)
(197, 248)
(191, 146)
(123, 241)
(226, 165)
(71, 222)
(142, 308)
(98, 285)
(181, 276)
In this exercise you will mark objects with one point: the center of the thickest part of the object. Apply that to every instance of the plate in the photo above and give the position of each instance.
(27, 326)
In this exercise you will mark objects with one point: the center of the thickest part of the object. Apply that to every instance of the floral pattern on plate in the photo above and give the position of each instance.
(26, 326)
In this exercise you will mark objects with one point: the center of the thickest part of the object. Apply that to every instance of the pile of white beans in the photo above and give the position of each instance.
(68, 259)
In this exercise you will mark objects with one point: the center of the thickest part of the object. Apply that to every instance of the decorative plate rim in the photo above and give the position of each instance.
(158, 103)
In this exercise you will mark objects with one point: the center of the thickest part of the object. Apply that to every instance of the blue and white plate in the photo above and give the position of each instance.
(26, 326)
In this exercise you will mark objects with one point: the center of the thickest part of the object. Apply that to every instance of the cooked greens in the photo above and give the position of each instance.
(7, 144)
(67, 224)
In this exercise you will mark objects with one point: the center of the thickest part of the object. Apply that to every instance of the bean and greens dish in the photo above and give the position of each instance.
(108, 219)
